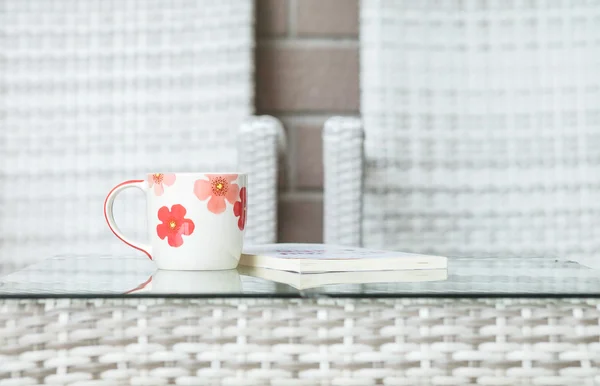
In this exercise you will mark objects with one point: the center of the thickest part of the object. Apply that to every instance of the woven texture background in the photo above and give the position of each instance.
(97, 92)
(261, 143)
(482, 124)
(300, 342)
(343, 154)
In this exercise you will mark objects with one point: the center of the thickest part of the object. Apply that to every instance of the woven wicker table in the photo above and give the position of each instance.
(76, 321)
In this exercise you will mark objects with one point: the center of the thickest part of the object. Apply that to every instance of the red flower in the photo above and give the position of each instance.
(239, 209)
(219, 188)
(158, 180)
(174, 225)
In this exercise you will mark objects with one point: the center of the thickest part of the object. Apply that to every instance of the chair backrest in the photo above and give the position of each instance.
(482, 126)
(97, 92)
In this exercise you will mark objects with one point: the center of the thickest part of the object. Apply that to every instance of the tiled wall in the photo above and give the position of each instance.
(307, 71)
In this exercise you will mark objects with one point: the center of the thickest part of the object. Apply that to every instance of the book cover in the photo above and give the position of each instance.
(331, 258)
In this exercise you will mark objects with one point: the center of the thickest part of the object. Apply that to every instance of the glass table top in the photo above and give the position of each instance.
(118, 276)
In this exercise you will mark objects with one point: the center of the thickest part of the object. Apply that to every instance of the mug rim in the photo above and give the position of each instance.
(196, 173)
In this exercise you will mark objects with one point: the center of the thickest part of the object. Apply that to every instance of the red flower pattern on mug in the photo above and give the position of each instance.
(218, 188)
(239, 209)
(174, 225)
(158, 180)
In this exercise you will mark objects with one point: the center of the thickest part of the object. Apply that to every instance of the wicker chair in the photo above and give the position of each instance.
(478, 131)
(98, 92)
(477, 136)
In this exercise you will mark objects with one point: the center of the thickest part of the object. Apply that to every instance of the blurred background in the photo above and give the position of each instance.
(94, 93)
(457, 127)
(307, 61)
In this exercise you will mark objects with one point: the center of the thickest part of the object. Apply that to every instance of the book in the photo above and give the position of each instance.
(315, 258)
(313, 280)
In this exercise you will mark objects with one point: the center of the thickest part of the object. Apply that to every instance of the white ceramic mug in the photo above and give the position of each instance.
(196, 221)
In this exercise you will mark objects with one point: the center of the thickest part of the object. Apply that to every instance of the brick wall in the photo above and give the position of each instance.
(306, 71)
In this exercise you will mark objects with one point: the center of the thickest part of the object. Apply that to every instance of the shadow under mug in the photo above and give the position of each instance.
(196, 221)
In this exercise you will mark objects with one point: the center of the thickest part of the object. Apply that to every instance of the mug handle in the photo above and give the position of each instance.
(110, 220)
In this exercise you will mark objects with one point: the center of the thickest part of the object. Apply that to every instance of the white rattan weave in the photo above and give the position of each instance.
(97, 92)
(343, 156)
(261, 141)
(482, 122)
(300, 342)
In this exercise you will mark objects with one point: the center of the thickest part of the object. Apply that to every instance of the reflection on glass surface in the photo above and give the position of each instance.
(191, 282)
(303, 281)
(138, 276)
